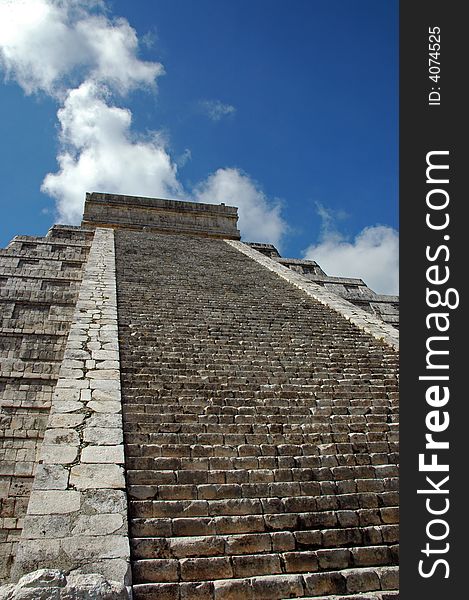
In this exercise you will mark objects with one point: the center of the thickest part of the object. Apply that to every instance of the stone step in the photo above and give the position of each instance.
(382, 489)
(198, 402)
(252, 546)
(348, 509)
(351, 584)
(333, 534)
(328, 436)
(156, 394)
(358, 442)
(263, 470)
(310, 414)
(381, 595)
(254, 349)
(146, 443)
(260, 430)
(379, 451)
(196, 380)
(272, 541)
(299, 400)
(225, 376)
(203, 568)
(197, 434)
(302, 448)
(248, 458)
(351, 423)
(283, 366)
(350, 494)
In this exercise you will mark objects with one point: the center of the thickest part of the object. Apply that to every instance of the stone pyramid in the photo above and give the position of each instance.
(189, 417)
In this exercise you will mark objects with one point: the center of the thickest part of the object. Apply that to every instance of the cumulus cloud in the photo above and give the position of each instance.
(216, 110)
(372, 255)
(259, 219)
(99, 153)
(49, 45)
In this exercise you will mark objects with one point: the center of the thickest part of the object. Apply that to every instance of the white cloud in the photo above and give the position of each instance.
(184, 158)
(259, 218)
(113, 50)
(373, 255)
(45, 45)
(100, 154)
(216, 110)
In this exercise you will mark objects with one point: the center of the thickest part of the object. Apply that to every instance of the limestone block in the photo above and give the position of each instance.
(97, 476)
(114, 569)
(77, 354)
(50, 477)
(104, 384)
(106, 395)
(105, 374)
(197, 546)
(67, 406)
(322, 584)
(66, 395)
(43, 578)
(47, 526)
(361, 580)
(104, 421)
(389, 577)
(280, 586)
(53, 502)
(65, 437)
(103, 501)
(93, 547)
(93, 587)
(107, 364)
(103, 406)
(103, 454)
(233, 589)
(248, 544)
(73, 384)
(105, 355)
(36, 554)
(65, 421)
(205, 568)
(52, 584)
(104, 436)
(58, 454)
(101, 524)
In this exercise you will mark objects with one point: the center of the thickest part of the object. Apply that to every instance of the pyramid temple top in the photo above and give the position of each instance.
(156, 214)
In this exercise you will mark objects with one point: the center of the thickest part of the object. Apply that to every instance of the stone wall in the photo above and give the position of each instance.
(39, 279)
(76, 518)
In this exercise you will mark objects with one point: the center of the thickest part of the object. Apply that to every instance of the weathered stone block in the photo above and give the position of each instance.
(361, 580)
(197, 569)
(85, 477)
(54, 502)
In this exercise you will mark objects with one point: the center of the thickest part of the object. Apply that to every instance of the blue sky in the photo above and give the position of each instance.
(288, 110)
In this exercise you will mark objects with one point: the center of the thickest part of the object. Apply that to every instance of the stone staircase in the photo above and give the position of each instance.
(260, 430)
